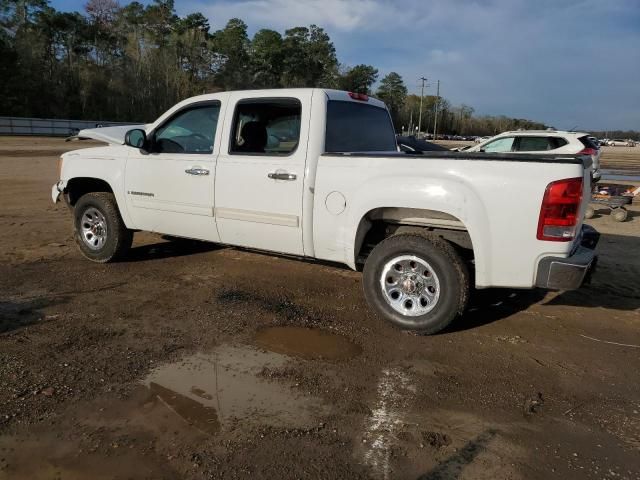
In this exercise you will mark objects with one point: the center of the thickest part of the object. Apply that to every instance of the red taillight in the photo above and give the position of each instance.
(359, 96)
(559, 210)
(588, 151)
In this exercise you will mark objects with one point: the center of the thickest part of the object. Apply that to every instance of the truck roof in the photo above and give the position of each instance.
(331, 94)
(550, 131)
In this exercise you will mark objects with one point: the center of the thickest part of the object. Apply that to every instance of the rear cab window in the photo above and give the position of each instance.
(358, 127)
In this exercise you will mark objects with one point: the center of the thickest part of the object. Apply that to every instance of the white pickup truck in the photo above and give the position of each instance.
(316, 173)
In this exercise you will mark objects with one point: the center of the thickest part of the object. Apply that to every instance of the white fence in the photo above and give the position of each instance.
(49, 126)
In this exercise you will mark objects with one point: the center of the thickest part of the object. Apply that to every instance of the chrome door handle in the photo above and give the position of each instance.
(197, 171)
(282, 176)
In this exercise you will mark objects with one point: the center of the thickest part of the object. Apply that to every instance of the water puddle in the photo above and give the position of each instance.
(203, 394)
(307, 343)
(217, 390)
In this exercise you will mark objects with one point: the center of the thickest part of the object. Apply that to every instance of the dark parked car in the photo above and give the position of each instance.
(411, 144)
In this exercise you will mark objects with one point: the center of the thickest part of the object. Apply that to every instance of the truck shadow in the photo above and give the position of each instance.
(168, 249)
(452, 467)
(492, 304)
(614, 284)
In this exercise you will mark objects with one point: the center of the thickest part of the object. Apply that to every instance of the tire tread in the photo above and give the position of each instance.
(451, 255)
(123, 236)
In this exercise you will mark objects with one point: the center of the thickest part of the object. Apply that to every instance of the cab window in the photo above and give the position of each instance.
(535, 144)
(499, 145)
(266, 127)
(192, 130)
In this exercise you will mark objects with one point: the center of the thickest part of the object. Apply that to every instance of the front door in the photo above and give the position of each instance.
(170, 188)
(260, 172)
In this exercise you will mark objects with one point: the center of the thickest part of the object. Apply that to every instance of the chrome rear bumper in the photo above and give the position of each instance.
(570, 273)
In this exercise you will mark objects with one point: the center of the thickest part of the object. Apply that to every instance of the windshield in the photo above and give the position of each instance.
(358, 127)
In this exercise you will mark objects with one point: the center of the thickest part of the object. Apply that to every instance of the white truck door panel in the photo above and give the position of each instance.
(171, 189)
(259, 179)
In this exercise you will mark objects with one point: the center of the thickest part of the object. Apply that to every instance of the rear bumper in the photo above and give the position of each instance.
(570, 273)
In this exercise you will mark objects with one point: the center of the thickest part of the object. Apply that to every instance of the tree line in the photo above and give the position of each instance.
(133, 62)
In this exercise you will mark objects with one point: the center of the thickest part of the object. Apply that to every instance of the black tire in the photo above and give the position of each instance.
(118, 237)
(619, 214)
(589, 212)
(444, 261)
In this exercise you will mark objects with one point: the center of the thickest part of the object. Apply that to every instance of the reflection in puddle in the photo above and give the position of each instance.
(199, 416)
(307, 343)
(211, 391)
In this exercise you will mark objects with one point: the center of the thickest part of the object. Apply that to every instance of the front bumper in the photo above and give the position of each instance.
(570, 273)
(56, 190)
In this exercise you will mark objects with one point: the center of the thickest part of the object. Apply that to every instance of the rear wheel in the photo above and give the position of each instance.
(619, 214)
(417, 281)
(100, 232)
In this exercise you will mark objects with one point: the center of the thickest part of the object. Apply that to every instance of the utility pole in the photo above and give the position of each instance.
(421, 97)
(435, 120)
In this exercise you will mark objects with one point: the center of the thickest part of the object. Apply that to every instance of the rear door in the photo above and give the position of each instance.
(260, 171)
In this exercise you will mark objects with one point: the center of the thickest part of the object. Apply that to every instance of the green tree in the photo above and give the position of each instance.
(231, 47)
(309, 58)
(16, 13)
(393, 92)
(358, 79)
(267, 56)
(161, 19)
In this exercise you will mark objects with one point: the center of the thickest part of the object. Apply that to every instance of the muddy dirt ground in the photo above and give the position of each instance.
(194, 361)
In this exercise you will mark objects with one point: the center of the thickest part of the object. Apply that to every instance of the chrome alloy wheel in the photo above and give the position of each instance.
(409, 285)
(93, 228)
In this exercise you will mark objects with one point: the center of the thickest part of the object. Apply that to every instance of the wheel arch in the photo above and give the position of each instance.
(76, 187)
(382, 222)
(79, 186)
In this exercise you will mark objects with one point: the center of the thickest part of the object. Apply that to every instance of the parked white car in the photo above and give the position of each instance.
(620, 143)
(548, 142)
(316, 173)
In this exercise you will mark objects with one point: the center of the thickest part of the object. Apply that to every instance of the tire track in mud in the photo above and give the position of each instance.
(395, 391)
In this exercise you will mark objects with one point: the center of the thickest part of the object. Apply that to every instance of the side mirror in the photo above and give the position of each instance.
(136, 138)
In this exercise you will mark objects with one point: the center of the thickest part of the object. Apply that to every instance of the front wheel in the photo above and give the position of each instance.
(619, 214)
(589, 212)
(99, 230)
(417, 281)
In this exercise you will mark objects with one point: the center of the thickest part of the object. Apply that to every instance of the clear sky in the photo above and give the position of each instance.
(568, 63)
